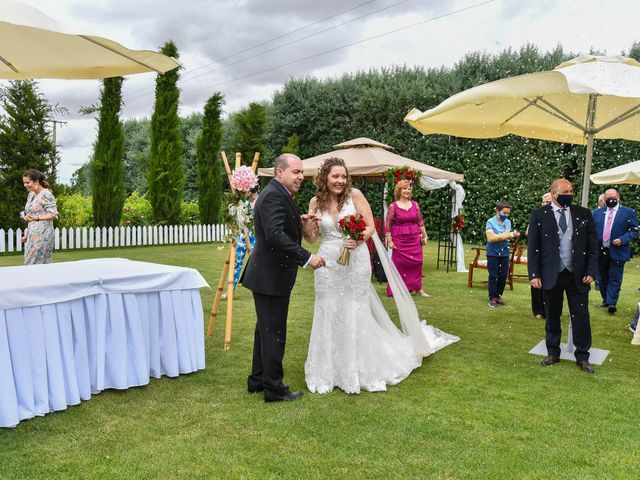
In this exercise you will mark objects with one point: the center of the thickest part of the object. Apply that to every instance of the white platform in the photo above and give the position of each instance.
(597, 356)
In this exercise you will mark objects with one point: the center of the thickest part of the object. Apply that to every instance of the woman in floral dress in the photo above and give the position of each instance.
(39, 213)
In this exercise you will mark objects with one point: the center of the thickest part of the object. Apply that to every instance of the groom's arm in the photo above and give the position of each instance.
(274, 216)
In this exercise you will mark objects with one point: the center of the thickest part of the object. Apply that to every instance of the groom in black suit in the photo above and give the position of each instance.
(563, 258)
(271, 273)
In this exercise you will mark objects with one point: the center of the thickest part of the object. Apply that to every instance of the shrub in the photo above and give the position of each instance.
(137, 211)
(190, 214)
(74, 210)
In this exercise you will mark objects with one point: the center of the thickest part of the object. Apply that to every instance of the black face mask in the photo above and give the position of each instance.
(611, 202)
(565, 200)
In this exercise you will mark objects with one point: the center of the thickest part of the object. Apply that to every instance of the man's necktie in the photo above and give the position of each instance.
(562, 222)
(606, 234)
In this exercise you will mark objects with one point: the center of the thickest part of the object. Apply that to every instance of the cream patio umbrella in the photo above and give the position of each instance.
(580, 100)
(368, 158)
(33, 45)
(628, 173)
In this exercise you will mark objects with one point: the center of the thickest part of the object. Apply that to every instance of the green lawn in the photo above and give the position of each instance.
(482, 408)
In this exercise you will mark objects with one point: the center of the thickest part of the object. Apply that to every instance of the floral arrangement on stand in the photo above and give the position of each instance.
(394, 175)
(238, 215)
(457, 223)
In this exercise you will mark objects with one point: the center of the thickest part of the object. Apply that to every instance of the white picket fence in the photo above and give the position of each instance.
(81, 238)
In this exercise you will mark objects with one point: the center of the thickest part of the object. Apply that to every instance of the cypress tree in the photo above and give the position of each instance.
(25, 143)
(107, 166)
(166, 170)
(250, 132)
(207, 154)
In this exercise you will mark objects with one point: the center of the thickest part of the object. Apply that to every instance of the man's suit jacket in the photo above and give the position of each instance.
(543, 247)
(625, 227)
(273, 264)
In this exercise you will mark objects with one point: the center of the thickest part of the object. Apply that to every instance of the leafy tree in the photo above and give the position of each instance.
(107, 166)
(249, 134)
(81, 180)
(190, 128)
(25, 143)
(136, 154)
(293, 145)
(166, 170)
(209, 171)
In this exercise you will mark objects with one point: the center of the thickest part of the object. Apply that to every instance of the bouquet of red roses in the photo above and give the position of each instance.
(352, 227)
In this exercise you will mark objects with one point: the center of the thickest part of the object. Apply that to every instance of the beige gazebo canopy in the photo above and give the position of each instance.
(368, 158)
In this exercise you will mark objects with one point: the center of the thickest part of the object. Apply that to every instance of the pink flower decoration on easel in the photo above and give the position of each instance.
(243, 179)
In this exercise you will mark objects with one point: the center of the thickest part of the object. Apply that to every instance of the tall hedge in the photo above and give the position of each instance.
(208, 155)
(374, 103)
(166, 170)
(107, 166)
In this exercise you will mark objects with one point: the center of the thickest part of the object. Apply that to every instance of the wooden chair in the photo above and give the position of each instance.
(477, 262)
(519, 259)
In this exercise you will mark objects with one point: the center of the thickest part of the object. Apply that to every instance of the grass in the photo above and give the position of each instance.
(480, 409)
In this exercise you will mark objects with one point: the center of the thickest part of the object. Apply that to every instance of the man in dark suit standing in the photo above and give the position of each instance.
(271, 273)
(616, 227)
(562, 258)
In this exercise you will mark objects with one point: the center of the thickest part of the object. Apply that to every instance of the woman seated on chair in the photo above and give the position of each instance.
(499, 233)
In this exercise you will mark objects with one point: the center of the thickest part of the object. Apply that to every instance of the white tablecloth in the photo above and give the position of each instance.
(70, 330)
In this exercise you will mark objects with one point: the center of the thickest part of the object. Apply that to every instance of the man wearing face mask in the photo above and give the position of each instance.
(616, 227)
(562, 259)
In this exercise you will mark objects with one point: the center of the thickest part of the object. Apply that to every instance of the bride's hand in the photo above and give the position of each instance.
(350, 244)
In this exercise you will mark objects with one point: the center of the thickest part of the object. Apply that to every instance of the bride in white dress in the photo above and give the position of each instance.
(354, 344)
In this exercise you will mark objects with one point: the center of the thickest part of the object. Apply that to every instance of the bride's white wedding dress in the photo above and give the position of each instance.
(354, 344)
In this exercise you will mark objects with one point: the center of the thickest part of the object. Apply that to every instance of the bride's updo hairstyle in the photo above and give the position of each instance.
(322, 191)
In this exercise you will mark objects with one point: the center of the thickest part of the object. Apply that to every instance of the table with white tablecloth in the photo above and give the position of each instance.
(72, 329)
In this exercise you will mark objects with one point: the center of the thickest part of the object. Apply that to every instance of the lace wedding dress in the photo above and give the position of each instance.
(354, 344)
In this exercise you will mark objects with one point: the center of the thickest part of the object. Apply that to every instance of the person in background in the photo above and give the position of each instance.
(241, 243)
(537, 298)
(616, 228)
(499, 232)
(39, 213)
(405, 234)
(596, 280)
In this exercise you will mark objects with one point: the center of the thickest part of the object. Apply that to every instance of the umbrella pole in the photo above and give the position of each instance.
(591, 122)
(587, 171)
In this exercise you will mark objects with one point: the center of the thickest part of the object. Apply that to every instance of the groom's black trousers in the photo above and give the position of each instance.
(269, 342)
(578, 300)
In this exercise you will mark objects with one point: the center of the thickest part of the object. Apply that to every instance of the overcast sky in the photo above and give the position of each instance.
(217, 40)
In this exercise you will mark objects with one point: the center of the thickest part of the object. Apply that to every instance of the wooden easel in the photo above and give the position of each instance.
(227, 269)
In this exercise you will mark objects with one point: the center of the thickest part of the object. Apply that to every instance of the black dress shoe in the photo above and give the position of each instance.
(251, 389)
(585, 366)
(612, 309)
(549, 360)
(287, 397)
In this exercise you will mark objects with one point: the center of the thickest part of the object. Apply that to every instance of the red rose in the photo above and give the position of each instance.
(397, 173)
(397, 180)
(409, 174)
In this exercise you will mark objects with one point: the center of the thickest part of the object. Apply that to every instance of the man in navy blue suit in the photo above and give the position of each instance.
(616, 227)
